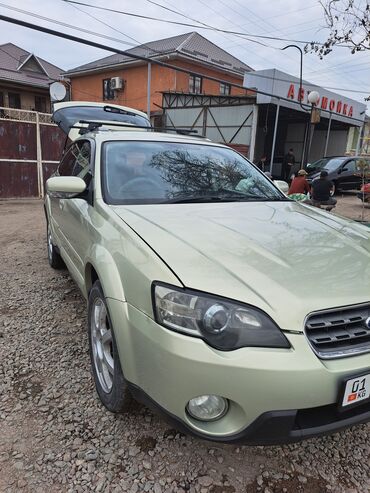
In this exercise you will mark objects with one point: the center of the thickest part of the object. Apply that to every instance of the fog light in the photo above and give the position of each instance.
(207, 407)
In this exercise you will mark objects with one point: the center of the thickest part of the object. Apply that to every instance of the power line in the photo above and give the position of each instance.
(212, 28)
(254, 74)
(359, 64)
(64, 24)
(104, 23)
(94, 44)
(11, 56)
(142, 45)
(138, 57)
(261, 20)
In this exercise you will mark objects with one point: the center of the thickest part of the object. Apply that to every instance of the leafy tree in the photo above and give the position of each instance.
(349, 24)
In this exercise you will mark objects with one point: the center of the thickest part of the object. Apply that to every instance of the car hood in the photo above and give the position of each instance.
(286, 258)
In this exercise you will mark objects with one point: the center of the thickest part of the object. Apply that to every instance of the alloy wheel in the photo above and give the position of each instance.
(50, 244)
(102, 345)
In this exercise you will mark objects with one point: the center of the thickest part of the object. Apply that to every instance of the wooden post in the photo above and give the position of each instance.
(40, 174)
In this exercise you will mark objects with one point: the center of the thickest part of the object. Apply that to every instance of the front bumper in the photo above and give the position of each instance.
(273, 427)
(275, 395)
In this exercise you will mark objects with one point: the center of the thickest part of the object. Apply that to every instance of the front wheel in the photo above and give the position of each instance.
(110, 383)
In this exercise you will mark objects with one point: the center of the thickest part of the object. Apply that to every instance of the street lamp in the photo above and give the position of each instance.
(313, 99)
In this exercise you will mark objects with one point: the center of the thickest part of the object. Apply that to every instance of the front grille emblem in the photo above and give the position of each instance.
(367, 322)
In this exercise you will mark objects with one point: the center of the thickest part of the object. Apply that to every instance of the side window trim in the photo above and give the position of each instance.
(66, 156)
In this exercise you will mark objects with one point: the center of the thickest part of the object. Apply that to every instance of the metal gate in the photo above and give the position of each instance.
(230, 120)
(30, 148)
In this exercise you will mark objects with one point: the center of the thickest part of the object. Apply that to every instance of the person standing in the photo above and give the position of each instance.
(288, 163)
(321, 190)
(262, 165)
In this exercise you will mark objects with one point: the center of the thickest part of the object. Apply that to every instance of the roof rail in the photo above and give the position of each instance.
(95, 125)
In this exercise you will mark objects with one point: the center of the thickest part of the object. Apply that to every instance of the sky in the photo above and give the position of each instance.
(345, 73)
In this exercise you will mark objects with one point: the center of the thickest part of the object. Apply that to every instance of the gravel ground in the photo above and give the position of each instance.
(56, 437)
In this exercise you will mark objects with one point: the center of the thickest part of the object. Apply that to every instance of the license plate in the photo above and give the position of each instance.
(356, 390)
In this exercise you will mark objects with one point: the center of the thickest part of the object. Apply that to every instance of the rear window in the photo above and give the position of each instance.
(68, 116)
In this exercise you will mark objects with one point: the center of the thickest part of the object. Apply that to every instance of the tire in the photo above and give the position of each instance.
(110, 383)
(55, 260)
(336, 190)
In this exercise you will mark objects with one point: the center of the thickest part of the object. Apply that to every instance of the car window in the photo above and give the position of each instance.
(82, 165)
(350, 166)
(333, 164)
(77, 161)
(320, 163)
(67, 163)
(159, 172)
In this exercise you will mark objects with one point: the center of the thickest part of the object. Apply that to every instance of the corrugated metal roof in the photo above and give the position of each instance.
(191, 45)
(12, 57)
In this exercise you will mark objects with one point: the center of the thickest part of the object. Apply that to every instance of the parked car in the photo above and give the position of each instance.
(342, 171)
(240, 314)
(364, 194)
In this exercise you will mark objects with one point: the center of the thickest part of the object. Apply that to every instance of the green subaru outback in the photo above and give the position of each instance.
(242, 315)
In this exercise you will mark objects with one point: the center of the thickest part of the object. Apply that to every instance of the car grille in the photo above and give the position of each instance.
(339, 332)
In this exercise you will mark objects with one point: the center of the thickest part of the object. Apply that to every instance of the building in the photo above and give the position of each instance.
(271, 120)
(284, 118)
(25, 79)
(123, 80)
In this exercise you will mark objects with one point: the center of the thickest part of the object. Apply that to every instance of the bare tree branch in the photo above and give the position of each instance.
(348, 22)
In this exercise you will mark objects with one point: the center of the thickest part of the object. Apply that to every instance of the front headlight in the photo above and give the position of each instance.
(223, 324)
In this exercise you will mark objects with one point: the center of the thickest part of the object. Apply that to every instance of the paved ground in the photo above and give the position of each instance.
(349, 205)
(56, 437)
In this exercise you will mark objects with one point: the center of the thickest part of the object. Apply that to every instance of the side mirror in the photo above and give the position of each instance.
(343, 169)
(69, 185)
(282, 185)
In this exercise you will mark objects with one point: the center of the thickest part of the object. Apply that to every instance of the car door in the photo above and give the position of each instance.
(346, 177)
(57, 201)
(75, 222)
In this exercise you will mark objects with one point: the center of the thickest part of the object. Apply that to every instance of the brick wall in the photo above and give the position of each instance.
(90, 87)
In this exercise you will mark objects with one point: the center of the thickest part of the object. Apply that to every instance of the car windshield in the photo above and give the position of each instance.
(330, 164)
(162, 172)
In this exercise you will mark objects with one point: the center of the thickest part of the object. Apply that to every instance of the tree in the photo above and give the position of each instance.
(363, 169)
(349, 25)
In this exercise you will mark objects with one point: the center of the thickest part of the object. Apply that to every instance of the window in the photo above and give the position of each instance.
(225, 89)
(159, 172)
(195, 84)
(14, 100)
(40, 104)
(108, 92)
(82, 167)
(68, 162)
(76, 161)
(350, 166)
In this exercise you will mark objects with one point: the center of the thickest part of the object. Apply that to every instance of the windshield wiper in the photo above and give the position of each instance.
(224, 197)
(200, 198)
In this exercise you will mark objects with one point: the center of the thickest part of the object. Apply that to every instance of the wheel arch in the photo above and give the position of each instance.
(101, 266)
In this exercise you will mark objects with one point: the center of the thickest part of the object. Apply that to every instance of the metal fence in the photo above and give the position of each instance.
(30, 147)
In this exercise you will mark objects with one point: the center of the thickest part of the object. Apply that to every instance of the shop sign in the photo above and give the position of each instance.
(332, 104)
